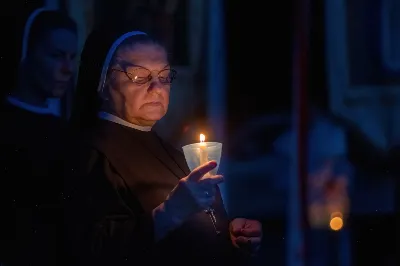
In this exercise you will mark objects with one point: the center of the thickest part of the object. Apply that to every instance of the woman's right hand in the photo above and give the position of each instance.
(201, 185)
(193, 193)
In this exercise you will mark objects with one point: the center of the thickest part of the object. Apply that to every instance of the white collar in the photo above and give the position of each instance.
(118, 120)
(52, 108)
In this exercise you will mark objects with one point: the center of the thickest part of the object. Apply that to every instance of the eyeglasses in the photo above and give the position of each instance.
(142, 75)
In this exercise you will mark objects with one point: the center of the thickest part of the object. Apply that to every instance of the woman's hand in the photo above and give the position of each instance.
(246, 235)
(193, 193)
(202, 185)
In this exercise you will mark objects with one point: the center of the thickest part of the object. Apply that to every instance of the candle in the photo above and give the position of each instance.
(203, 150)
(199, 153)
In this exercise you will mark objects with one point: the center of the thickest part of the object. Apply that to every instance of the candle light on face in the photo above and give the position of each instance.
(203, 150)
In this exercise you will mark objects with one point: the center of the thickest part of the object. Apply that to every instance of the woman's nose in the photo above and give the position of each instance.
(155, 84)
(67, 67)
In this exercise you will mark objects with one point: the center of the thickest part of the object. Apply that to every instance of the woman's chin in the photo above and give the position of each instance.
(154, 113)
(153, 117)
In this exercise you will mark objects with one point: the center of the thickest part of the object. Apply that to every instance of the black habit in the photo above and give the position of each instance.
(122, 174)
(30, 186)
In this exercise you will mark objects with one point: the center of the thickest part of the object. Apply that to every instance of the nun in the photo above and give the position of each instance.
(130, 197)
(32, 130)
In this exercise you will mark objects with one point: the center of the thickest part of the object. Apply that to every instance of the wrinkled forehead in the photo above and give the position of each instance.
(149, 55)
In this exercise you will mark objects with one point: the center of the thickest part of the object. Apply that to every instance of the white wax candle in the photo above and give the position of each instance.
(203, 150)
(203, 153)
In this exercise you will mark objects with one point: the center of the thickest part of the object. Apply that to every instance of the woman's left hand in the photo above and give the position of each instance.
(246, 235)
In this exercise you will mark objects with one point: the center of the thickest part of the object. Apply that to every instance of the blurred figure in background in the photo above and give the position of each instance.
(343, 163)
(32, 140)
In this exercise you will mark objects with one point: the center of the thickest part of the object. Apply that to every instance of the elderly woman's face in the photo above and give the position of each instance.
(140, 84)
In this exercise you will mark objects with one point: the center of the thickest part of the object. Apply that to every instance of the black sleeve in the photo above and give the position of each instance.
(105, 223)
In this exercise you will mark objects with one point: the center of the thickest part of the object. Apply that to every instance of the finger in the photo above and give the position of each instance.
(244, 244)
(211, 180)
(200, 171)
(250, 232)
(253, 241)
(236, 226)
(236, 230)
(249, 245)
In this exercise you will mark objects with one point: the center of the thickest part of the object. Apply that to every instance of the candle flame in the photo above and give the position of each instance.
(202, 138)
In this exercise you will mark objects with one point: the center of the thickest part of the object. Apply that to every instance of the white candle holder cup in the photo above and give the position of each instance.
(197, 154)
